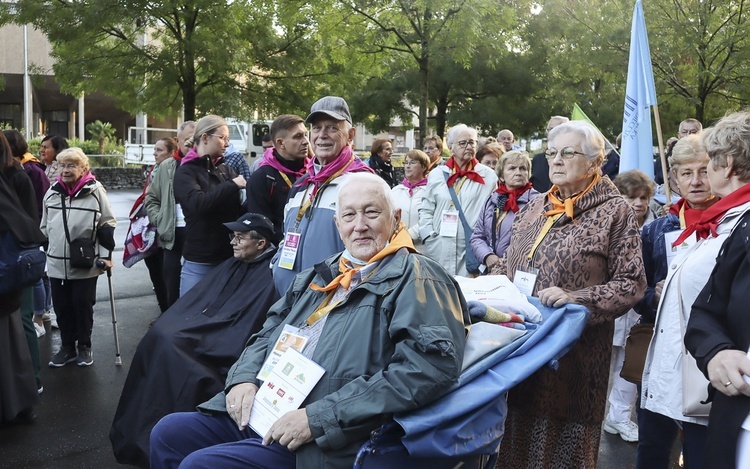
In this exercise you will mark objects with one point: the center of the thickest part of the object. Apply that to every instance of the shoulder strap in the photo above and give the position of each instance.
(65, 218)
(454, 197)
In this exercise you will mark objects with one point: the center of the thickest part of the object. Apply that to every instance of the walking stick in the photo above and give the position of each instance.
(118, 358)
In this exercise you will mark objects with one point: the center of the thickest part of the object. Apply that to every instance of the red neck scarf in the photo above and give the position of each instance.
(692, 215)
(269, 159)
(459, 173)
(513, 194)
(411, 186)
(709, 220)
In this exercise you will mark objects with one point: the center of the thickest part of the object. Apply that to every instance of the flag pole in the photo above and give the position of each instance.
(660, 139)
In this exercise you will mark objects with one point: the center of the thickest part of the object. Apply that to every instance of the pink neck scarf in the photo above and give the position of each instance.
(345, 162)
(269, 159)
(411, 186)
(81, 182)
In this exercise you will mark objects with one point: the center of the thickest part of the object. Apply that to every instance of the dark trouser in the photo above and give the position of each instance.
(74, 302)
(656, 435)
(172, 266)
(194, 440)
(154, 263)
(27, 318)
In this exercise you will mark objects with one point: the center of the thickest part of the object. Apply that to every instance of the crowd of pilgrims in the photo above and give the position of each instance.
(631, 250)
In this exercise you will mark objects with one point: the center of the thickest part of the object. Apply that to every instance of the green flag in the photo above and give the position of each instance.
(579, 115)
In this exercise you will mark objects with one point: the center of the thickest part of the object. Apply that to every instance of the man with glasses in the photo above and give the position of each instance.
(309, 230)
(539, 165)
(433, 147)
(184, 358)
(508, 140)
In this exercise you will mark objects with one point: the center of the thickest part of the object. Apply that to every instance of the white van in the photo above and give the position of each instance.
(246, 137)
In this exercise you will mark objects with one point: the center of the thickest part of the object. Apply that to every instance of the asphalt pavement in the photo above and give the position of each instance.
(78, 404)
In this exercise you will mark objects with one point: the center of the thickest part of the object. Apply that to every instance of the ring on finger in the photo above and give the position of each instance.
(727, 384)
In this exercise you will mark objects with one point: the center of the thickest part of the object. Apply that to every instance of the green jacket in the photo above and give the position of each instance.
(395, 344)
(160, 202)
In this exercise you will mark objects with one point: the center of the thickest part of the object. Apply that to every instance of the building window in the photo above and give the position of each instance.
(10, 115)
(55, 123)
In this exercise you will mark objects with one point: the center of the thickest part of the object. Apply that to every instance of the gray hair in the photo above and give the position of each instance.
(358, 179)
(592, 142)
(457, 129)
(184, 125)
(688, 150)
(730, 137)
(512, 157)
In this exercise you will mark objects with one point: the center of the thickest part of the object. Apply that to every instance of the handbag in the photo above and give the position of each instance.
(141, 240)
(82, 250)
(21, 264)
(472, 263)
(636, 348)
(694, 384)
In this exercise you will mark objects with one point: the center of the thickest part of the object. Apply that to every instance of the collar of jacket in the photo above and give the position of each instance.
(388, 273)
(87, 189)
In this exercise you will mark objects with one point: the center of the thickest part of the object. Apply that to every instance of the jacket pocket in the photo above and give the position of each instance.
(436, 339)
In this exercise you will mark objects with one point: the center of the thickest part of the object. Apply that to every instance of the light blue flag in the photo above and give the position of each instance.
(637, 151)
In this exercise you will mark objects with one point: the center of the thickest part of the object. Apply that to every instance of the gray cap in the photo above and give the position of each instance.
(253, 222)
(332, 106)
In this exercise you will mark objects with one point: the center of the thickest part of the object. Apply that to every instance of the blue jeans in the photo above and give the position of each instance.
(656, 435)
(194, 440)
(192, 273)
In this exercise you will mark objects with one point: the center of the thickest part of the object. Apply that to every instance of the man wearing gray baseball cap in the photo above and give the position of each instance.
(310, 233)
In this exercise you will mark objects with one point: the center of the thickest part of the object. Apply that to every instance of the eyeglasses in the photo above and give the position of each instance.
(465, 143)
(240, 239)
(429, 149)
(567, 153)
(68, 166)
(410, 162)
(222, 137)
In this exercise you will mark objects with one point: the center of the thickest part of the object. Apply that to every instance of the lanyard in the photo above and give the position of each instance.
(286, 179)
(682, 216)
(500, 219)
(545, 229)
(309, 201)
(458, 189)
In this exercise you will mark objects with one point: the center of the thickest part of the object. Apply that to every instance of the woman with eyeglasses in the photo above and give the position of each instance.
(579, 243)
(76, 209)
(433, 148)
(445, 227)
(210, 194)
(408, 195)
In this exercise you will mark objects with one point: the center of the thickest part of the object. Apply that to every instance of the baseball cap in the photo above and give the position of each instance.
(332, 106)
(253, 222)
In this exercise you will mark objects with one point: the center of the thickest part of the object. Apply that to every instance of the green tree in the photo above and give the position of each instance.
(417, 34)
(233, 57)
(101, 132)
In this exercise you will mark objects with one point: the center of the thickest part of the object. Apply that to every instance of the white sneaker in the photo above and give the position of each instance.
(51, 317)
(628, 431)
(40, 331)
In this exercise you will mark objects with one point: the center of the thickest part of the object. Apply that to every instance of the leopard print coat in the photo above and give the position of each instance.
(596, 257)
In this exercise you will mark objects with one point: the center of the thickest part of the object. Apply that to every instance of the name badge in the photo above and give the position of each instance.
(525, 280)
(290, 338)
(672, 251)
(289, 250)
(449, 223)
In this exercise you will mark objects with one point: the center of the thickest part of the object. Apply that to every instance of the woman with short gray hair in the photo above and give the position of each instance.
(444, 226)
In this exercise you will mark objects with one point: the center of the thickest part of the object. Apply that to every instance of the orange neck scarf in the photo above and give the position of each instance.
(400, 239)
(567, 206)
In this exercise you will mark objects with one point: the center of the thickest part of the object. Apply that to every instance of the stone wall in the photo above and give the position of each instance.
(120, 178)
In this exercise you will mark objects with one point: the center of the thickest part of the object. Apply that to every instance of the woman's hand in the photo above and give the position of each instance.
(657, 292)
(727, 370)
(554, 297)
(239, 402)
(240, 181)
(491, 261)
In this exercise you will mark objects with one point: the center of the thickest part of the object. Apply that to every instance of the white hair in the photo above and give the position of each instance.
(456, 130)
(360, 179)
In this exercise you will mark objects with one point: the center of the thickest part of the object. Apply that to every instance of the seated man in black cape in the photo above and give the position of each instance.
(184, 358)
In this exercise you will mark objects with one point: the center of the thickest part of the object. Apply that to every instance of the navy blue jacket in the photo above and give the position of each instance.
(655, 261)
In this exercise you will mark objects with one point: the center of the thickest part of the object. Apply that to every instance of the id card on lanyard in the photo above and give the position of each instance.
(289, 249)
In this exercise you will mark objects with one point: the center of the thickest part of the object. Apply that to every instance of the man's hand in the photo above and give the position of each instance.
(554, 297)
(291, 430)
(727, 371)
(239, 402)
